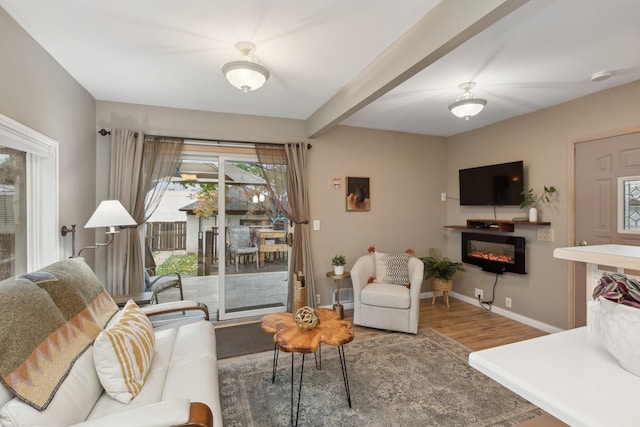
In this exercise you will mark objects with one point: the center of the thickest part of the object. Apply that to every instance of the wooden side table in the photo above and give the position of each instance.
(337, 307)
(143, 298)
(287, 337)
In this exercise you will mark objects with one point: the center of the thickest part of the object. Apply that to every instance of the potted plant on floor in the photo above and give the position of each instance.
(531, 200)
(338, 263)
(440, 270)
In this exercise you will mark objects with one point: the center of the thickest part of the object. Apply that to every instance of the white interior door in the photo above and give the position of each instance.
(598, 166)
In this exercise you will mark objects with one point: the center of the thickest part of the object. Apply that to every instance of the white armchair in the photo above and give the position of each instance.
(383, 305)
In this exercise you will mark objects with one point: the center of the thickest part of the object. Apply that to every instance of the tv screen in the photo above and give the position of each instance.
(498, 185)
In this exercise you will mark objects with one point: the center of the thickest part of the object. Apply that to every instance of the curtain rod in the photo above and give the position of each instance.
(105, 132)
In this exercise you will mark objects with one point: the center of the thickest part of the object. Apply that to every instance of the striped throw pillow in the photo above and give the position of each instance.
(392, 268)
(123, 353)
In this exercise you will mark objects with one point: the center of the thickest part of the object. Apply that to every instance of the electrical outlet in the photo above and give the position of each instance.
(546, 234)
(443, 197)
(479, 293)
(317, 298)
(507, 302)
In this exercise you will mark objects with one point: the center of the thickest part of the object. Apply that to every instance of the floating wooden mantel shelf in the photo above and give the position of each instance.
(505, 226)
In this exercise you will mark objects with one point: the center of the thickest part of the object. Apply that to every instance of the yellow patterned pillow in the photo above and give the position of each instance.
(123, 353)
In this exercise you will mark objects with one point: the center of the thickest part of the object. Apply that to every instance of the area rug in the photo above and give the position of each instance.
(395, 380)
(238, 340)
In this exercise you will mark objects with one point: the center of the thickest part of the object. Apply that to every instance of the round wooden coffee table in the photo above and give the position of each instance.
(288, 338)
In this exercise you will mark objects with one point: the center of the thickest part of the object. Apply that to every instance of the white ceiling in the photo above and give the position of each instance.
(170, 53)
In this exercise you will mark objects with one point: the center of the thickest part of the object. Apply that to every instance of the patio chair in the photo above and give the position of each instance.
(240, 244)
(157, 284)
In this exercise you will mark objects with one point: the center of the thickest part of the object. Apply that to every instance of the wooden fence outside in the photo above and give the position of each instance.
(166, 236)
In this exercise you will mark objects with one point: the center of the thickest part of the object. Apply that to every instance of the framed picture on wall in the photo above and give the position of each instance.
(358, 194)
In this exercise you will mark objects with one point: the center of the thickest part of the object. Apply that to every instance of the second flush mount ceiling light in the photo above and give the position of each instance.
(466, 106)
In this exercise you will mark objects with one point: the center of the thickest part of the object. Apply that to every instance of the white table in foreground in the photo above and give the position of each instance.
(568, 374)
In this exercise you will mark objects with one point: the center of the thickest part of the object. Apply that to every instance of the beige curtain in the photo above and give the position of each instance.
(284, 168)
(140, 171)
(159, 163)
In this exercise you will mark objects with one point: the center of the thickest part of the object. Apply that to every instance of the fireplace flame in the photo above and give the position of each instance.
(492, 257)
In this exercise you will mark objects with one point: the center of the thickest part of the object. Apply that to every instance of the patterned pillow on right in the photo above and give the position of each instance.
(392, 268)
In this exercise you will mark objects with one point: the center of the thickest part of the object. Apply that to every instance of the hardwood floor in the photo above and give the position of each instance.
(471, 326)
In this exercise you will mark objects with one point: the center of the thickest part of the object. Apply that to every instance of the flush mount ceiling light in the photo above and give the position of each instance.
(601, 76)
(246, 74)
(466, 106)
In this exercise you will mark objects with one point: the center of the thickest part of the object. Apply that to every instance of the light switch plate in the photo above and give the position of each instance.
(316, 225)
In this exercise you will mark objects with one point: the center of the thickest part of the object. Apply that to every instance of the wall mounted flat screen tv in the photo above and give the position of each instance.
(497, 185)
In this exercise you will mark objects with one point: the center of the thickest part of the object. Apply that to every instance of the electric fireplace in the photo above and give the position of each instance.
(494, 253)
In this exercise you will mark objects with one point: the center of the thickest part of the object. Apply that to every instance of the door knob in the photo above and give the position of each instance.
(583, 243)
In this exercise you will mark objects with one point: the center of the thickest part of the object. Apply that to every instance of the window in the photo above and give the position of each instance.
(13, 208)
(28, 190)
(629, 204)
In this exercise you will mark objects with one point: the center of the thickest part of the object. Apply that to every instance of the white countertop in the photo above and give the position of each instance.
(624, 256)
(568, 374)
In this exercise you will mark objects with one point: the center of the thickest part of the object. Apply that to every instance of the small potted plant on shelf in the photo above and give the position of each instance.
(441, 270)
(338, 263)
(532, 200)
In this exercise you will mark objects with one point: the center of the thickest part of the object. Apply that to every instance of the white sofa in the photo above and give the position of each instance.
(381, 305)
(181, 387)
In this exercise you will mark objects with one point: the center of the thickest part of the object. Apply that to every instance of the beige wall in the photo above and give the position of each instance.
(37, 92)
(407, 172)
(407, 175)
(542, 140)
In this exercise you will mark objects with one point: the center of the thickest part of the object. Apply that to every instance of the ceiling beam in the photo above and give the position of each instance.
(443, 29)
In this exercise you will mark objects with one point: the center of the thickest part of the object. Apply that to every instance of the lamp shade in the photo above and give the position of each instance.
(110, 213)
(245, 75)
(467, 108)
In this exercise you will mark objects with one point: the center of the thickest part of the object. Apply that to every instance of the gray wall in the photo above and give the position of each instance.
(37, 92)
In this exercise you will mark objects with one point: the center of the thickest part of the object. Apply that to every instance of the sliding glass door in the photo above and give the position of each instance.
(253, 278)
(218, 227)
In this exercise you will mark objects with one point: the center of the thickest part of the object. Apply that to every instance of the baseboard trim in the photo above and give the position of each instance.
(497, 310)
(510, 314)
(345, 306)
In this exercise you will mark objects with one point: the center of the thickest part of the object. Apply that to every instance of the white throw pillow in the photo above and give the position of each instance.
(392, 268)
(123, 353)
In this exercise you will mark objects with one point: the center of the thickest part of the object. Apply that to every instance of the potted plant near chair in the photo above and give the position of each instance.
(440, 270)
(338, 263)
